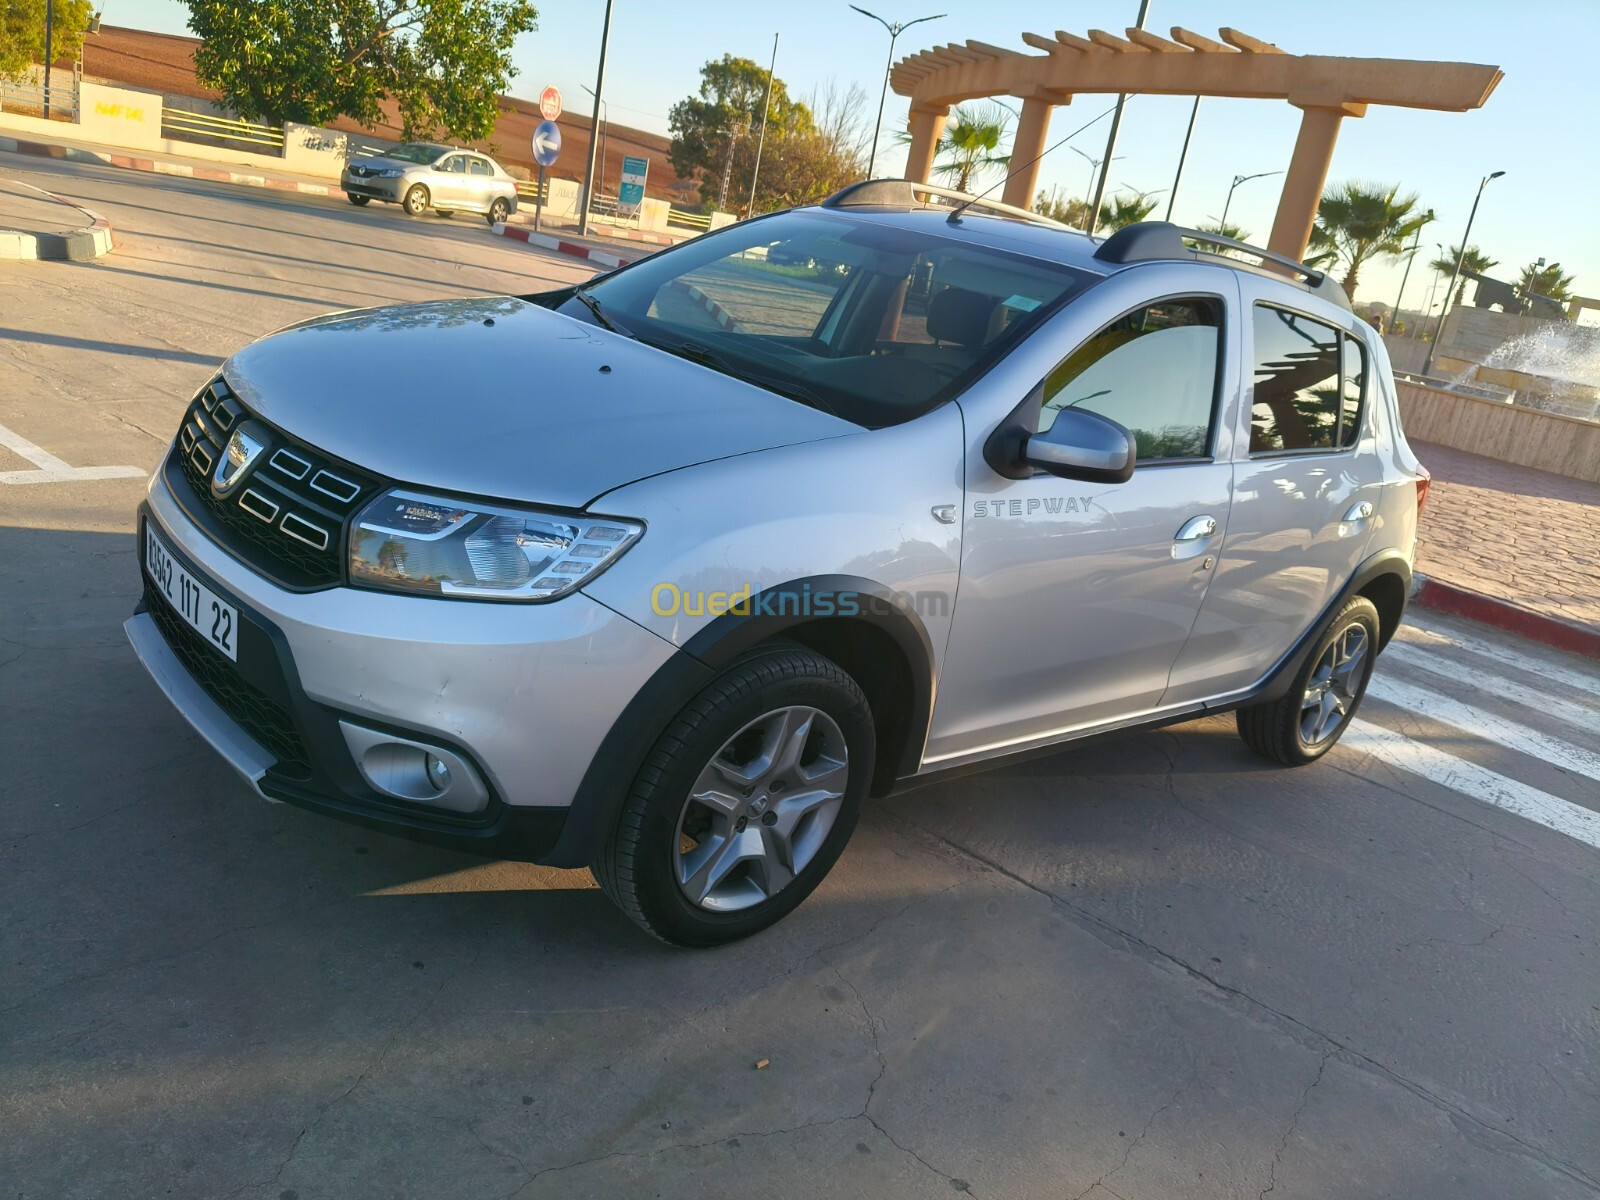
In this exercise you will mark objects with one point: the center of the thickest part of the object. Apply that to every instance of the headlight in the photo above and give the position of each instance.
(408, 542)
(391, 173)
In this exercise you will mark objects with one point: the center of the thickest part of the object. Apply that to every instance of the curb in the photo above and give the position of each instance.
(523, 217)
(545, 241)
(1502, 614)
(79, 245)
(158, 167)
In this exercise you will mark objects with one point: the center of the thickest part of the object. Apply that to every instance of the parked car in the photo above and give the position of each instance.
(665, 573)
(418, 176)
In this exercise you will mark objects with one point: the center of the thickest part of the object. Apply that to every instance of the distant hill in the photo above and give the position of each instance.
(161, 62)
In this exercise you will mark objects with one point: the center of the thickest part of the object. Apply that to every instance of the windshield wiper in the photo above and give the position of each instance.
(695, 352)
(593, 306)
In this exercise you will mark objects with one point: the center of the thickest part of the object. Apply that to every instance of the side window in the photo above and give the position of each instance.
(1153, 371)
(1355, 390)
(479, 166)
(1310, 384)
(454, 164)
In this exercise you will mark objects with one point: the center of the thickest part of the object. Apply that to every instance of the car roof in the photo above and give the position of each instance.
(1036, 239)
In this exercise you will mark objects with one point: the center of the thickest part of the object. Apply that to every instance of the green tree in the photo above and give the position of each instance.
(1550, 281)
(1126, 208)
(1476, 261)
(443, 62)
(970, 145)
(1228, 230)
(1073, 212)
(1359, 221)
(22, 33)
(715, 132)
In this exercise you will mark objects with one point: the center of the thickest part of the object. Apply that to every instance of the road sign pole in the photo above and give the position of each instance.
(538, 201)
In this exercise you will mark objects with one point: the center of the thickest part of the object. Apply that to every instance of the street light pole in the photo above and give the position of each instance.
(1237, 180)
(1094, 165)
(761, 141)
(605, 119)
(1456, 274)
(1111, 139)
(1183, 156)
(895, 28)
(599, 90)
(1415, 243)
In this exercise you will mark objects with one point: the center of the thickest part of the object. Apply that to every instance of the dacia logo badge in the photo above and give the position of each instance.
(244, 447)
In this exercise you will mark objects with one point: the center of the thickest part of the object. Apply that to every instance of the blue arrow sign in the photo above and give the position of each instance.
(546, 143)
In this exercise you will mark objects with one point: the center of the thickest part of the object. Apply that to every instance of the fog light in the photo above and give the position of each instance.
(438, 773)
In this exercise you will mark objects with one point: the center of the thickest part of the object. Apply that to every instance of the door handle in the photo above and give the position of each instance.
(1193, 538)
(1359, 512)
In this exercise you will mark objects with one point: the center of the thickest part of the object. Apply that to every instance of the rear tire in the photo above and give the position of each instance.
(358, 201)
(416, 200)
(1308, 720)
(499, 211)
(723, 833)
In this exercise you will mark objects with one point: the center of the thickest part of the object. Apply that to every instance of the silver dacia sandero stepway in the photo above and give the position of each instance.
(665, 574)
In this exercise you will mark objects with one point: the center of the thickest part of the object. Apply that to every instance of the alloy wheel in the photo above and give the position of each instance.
(761, 809)
(1334, 687)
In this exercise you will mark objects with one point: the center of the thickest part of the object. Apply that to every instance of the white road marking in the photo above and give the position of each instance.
(1582, 714)
(1469, 779)
(52, 469)
(1513, 735)
(1587, 682)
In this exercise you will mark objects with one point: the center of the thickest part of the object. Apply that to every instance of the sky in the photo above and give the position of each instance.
(1541, 125)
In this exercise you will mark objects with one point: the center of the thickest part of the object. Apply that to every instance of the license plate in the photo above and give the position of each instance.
(209, 616)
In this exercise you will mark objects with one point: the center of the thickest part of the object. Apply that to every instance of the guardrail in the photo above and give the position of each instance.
(194, 126)
(58, 103)
(676, 216)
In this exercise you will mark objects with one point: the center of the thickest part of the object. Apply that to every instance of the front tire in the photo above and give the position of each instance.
(745, 802)
(1309, 719)
(416, 200)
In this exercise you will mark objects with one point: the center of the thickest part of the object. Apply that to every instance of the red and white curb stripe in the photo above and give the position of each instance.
(1502, 614)
(717, 313)
(546, 241)
(78, 245)
(160, 167)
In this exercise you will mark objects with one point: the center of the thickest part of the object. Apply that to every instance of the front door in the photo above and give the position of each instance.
(1076, 598)
(1307, 483)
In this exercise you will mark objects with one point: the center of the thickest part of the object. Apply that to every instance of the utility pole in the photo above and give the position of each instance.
(1111, 140)
(599, 90)
(49, 50)
(1415, 242)
(761, 142)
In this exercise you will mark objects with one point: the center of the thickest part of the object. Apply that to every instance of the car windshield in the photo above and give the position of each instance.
(874, 322)
(415, 152)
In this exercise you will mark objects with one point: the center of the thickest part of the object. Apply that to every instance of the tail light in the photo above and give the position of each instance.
(1423, 480)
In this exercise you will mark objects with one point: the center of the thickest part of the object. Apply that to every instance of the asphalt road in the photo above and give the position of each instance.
(1151, 967)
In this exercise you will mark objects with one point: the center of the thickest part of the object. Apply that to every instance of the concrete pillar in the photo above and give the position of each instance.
(927, 126)
(1308, 173)
(1032, 129)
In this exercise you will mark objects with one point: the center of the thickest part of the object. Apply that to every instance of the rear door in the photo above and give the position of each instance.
(1307, 481)
(480, 182)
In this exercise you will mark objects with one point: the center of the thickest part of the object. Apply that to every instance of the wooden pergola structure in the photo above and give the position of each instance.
(1326, 90)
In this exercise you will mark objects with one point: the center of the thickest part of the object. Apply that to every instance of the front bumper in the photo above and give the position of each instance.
(373, 187)
(525, 693)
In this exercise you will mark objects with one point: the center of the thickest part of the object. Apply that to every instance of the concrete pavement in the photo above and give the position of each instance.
(1150, 967)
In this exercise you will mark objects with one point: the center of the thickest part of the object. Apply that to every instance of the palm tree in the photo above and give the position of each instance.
(1126, 208)
(1475, 261)
(1551, 282)
(1357, 222)
(1229, 230)
(971, 145)
(1068, 212)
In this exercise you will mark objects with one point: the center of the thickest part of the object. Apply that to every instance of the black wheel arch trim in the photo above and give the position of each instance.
(713, 649)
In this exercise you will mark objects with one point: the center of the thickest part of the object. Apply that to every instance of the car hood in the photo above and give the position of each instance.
(501, 398)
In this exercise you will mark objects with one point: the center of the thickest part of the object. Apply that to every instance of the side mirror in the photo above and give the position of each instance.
(1082, 445)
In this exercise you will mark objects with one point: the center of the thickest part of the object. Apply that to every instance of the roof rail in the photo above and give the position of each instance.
(907, 193)
(1156, 241)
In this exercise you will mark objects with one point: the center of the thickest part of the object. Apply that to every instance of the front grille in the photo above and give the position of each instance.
(258, 715)
(286, 513)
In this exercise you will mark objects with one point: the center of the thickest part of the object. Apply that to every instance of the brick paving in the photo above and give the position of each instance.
(1512, 533)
